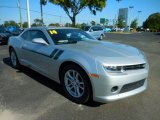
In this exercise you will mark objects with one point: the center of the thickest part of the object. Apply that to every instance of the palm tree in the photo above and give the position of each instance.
(42, 2)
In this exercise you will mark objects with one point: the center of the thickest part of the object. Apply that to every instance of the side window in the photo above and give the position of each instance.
(25, 35)
(100, 28)
(36, 34)
(94, 28)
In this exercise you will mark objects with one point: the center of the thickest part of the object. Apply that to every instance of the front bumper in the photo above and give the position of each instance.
(126, 85)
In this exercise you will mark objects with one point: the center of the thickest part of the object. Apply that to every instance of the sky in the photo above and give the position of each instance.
(55, 14)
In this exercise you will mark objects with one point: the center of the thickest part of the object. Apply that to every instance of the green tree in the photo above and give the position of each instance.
(134, 24)
(10, 23)
(54, 24)
(68, 25)
(25, 24)
(37, 22)
(74, 7)
(51, 24)
(42, 3)
(153, 22)
(83, 25)
(120, 23)
(13, 23)
(6, 23)
(93, 23)
(78, 26)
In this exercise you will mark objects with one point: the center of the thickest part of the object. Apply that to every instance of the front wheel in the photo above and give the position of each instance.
(14, 59)
(76, 84)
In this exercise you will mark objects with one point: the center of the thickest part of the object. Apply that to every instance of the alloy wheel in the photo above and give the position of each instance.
(74, 83)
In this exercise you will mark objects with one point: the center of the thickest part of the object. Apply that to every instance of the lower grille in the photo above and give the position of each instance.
(132, 86)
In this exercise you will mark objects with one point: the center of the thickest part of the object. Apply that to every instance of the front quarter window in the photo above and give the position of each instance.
(24, 35)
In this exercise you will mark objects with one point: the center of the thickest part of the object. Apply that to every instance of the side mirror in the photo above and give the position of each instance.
(39, 41)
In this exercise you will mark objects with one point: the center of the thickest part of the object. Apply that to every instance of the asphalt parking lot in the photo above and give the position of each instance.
(27, 95)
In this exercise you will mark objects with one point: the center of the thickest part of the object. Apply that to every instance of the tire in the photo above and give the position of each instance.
(101, 37)
(76, 84)
(14, 59)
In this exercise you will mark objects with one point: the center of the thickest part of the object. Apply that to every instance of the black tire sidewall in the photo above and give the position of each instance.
(17, 62)
(87, 89)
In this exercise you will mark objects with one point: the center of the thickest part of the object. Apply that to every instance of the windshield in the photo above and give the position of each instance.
(68, 36)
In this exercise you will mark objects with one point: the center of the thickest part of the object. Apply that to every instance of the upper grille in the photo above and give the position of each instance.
(134, 67)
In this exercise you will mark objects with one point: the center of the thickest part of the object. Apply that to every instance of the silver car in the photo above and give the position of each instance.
(95, 31)
(86, 68)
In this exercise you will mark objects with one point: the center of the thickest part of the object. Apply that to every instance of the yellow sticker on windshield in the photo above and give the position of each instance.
(53, 32)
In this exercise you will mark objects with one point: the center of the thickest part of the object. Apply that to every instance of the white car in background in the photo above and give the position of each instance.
(95, 31)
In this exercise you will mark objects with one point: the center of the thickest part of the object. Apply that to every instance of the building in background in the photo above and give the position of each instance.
(123, 14)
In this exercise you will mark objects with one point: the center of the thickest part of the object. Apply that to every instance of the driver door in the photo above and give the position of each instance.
(38, 56)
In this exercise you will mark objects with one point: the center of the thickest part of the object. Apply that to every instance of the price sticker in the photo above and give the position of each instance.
(53, 32)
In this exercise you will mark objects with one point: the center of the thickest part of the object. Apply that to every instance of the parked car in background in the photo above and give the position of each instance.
(95, 31)
(106, 29)
(4, 35)
(85, 67)
(118, 29)
(17, 31)
(11, 28)
(140, 29)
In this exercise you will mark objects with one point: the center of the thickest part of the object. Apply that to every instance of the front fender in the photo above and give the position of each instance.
(86, 62)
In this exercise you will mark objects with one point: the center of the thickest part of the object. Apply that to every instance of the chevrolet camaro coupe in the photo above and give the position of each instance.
(85, 67)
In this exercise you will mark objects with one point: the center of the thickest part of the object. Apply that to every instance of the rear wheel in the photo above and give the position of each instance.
(14, 59)
(76, 84)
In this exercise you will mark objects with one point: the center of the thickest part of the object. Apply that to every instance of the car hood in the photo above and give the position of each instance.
(102, 50)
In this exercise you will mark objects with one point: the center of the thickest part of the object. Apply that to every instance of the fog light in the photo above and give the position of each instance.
(114, 89)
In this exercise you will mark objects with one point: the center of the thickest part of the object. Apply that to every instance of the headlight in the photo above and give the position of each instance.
(114, 69)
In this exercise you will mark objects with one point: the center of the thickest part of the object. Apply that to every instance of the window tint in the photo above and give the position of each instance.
(32, 34)
(100, 28)
(25, 35)
(94, 28)
(97, 28)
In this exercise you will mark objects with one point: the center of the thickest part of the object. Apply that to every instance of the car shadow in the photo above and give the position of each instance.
(46, 81)
(2, 44)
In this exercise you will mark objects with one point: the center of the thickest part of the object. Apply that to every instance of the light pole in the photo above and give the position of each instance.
(28, 14)
(20, 13)
(138, 15)
(42, 3)
(130, 7)
(60, 19)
